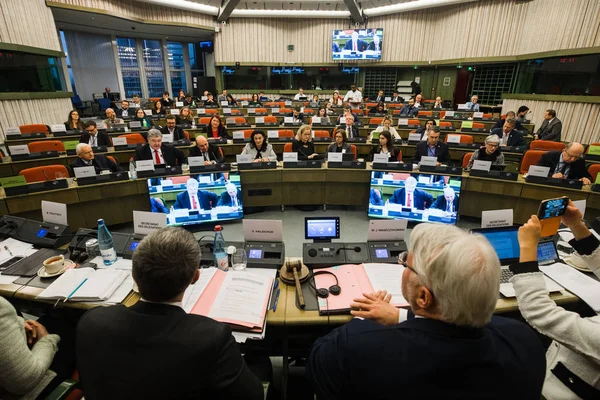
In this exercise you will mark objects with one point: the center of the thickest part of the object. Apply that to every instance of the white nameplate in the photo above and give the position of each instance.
(274, 110)
(535, 170)
(380, 158)
(288, 120)
(387, 230)
(288, 103)
(136, 105)
(387, 99)
(402, 122)
(12, 130)
(477, 115)
(167, 138)
(227, 111)
(135, 124)
(290, 157)
(273, 134)
(145, 222)
(449, 113)
(462, 107)
(496, 218)
(203, 98)
(54, 213)
(144, 165)
(428, 161)
(259, 120)
(335, 157)
(316, 120)
(229, 120)
(179, 104)
(58, 128)
(244, 103)
(414, 137)
(174, 111)
(262, 230)
(201, 111)
(18, 149)
(224, 103)
(195, 161)
(119, 141)
(84, 172)
(238, 134)
(453, 138)
(243, 158)
(252, 111)
(482, 165)
(148, 112)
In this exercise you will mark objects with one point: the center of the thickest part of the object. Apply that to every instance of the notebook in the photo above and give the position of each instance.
(505, 242)
(85, 284)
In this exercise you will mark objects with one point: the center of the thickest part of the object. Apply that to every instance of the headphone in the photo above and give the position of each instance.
(323, 292)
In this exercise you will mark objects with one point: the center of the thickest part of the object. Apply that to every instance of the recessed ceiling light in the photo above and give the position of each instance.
(93, 17)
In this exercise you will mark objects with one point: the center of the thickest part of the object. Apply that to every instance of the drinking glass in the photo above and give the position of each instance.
(239, 260)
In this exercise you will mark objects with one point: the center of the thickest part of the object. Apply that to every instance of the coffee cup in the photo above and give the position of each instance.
(54, 264)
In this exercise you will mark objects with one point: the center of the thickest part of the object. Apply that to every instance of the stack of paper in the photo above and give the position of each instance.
(10, 248)
(85, 284)
(585, 287)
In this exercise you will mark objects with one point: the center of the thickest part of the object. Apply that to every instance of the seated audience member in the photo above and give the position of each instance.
(340, 142)
(300, 94)
(351, 130)
(210, 101)
(189, 101)
(386, 125)
(419, 101)
(375, 197)
(111, 119)
(572, 367)
(124, 111)
(385, 146)
(429, 124)
(551, 128)
(303, 144)
(159, 152)
(509, 115)
(157, 329)
(144, 120)
(92, 136)
(375, 44)
(136, 102)
(173, 129)
(185, 117)
(158, 108)
(489, 152)
(329, 108)
(262, 97)
(380, 97)
(259, 148)
(409, 110)
(378, 109)
(336, 100)
(473, 105)
(231, 101)
(215, 129)
(255, 101)
(194, 199)
(410, 196)
(355, 44)
(448, 202)
(509, 135)
(223, 96)
(232, 197)
(157, 206)
(166, 101)
(396, 98)
(451, 280)
(522, 113)
(106, 93)
(209, 152)
(322, 113)
(87, 158)
(567, 164)
(432, 147)
(439, 104)
(297, 115)
(74, 123)
(181, 96)
(315, 101)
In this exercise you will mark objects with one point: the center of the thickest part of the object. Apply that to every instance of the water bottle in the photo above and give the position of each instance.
(221, 259)
(105, 242)
(145, 123)
(132, 171)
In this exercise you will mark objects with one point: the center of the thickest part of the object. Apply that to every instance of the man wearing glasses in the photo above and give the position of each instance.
(446, 346)
(567, 164)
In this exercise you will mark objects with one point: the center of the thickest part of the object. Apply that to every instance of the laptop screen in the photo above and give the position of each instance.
(505, 241)
(546, 252)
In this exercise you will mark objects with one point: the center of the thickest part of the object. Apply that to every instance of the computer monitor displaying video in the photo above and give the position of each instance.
(321, 228)
(357, 44)
(414, 196)
(198, 198)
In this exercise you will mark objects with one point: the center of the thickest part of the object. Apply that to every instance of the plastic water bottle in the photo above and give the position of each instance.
(221, 259)
(132, 171)
(105, 242)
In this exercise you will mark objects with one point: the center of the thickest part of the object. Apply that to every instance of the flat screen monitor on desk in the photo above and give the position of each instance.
(414, 196)
(321, 229)
(197, 198)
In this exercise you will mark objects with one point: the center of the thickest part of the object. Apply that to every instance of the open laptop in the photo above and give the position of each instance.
(505, 242)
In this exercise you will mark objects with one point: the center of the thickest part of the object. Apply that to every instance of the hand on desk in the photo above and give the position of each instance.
(558, 175)
(586, 181)
(34, 331)
(376, 307)
(312, 156)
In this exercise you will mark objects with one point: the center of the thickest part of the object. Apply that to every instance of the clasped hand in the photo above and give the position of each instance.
(376, 307)
(34, 331)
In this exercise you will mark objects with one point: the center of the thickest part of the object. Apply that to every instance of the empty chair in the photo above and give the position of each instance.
(531, 157)
(111, 158)
(269, 119)
(34, 128)
(546, 145)
(322, 134)
(466, 159)
(236, 112)
(187, 135)
(445, 124)
(260, 110)
(286, 133)
(287, 148)
(593, 170)
(240, 120)
(413, 122)
(488, 116)
(425, 114)
(204, 120)
(211, 111)
(353, 148)
(478, 125)
(133, 138)
(46, 145)
(45, 173)
(375, 121)
(463, 138)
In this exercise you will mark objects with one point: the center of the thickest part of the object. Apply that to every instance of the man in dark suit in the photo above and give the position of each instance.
(509, 115)
(159, 152)
(355, 44)
(166, 100)
(87, 158)
(432, 148)
(396, 98)
(551, 128)
(232, 197)
(173, 129)
(410, 196)
(409, 110)
(193, 199)
(509, 135)
(297, 115)
(92, 136)
(209, 152)
(448, 202)
(375, 198)
(567, 164)
(350, 129)
(124, 111)
(380, 97)
(376, 44)
(155, 349)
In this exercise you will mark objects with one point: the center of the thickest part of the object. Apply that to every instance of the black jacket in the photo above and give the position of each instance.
(441, 152)
(172, 155)
(515, 137)
(577, 168)
(100, 162)
(177, 133)
(213, 153)
(102, 139)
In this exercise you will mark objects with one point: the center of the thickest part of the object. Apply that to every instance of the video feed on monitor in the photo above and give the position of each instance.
(357, 44)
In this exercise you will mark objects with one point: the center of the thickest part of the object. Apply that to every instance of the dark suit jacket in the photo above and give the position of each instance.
(361, 45)
(421, 200)
(300, 116)
(577, 170)
(500, 124)
(158, 351)
(130, 112)
(213, 153)
(409, 111)
(354, 130)
(375, 197)
(102, 138)
(550, 131)
(222, 132)
(177, 133)
(397, 99)
(172, 155)
(225, 199)
(428, 359)
(441, 152)
(440, 203)
(100, 162)
(515, 137)
(208, 200)
(371, 46)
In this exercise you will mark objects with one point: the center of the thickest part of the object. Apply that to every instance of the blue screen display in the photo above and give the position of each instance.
(134, 246)
(506, 243)
(41, 233)
(546, 252)
(255, 253)
(381, 253)
(321, 228)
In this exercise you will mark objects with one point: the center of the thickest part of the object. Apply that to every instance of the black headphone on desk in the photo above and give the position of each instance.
(323, 292)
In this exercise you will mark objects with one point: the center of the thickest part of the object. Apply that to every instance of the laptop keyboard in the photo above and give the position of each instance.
(505, 275)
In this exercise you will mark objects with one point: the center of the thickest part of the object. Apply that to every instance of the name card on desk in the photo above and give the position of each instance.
(462, 107)
(482, 165)
(245, 103)
(224, 103)
(71, 144)
(477, 115)
(203, 98)
(167, 138)
(174, 111)
(12, 130)
(179, 104)
(496, 218)
(449, 113)
(135, 124)
(262, 230)
(58, 128)
(84, 172)
(243, 158)
(251, 110)
(201, 111)
(13, 181)
(535, 170)
(144, 223)
(259, 120)
(288, 103)
(238, 134)
(119, 141)
(230, 121)
(387, 230)
(288, 120)
(453, 138)
(428, 161)
(271, 134)
(148, 112)
(387, 99)
(316, 120)
(54, 213)
(227, 111)
(466, 124)
(274, 110)
(135, 105)
(18, 149)
(290, 157)
(195, 161)
(144, 165)
(403, 122)
(380, 158)
(335, 157)
(414, 137)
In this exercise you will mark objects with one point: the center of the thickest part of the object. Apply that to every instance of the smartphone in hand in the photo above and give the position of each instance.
(549, 213)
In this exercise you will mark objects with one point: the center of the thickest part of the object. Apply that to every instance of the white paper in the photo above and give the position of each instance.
(414, 137)
(380, 158)
(195, 161)
(316, 120)
(402, 121)
(586, 288)
(243, 158)
(387, 230)
(122, 291)
(244, 103)
(449, 113)
(462, 107)
(290, 157)
(119, 141)
(224, 103)
(121, 263)
(535, 170)
(238, 134)
(147, 112)
(496, 218)
(482, 165)
(336, 157)
(84, 172)
(274, 110)
(262, 230)
(8, 279)
(288, 120)
(58, 128)
(18, 149)
(428, 161)
(145, 222)
(259, 120)
(167, 138)
(12, 130)
(477, 115)
(453, 139)
(144, 165)
(10, 248)
(387, 277)
(227, 111)
(273, 135)
(179, 104)
(54, 213)
(193, 292)
(580, 204)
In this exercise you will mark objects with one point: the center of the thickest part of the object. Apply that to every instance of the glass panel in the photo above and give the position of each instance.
(175, 51)
(178, 82)
(156, 83)
(23, 72)
(152, 54)
(127, 53)
(64, 45)
(193, 59)
(132, 83)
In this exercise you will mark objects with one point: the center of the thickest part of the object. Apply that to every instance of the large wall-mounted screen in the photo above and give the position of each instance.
(357, 44)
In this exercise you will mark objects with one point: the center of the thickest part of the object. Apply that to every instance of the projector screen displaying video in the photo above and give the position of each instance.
(357, 44)
(198, 198)
(414, 196)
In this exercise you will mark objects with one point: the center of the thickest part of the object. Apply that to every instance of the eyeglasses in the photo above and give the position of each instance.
(402, 257)
(571, 155)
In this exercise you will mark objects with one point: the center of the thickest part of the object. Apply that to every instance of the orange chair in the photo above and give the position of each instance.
(322, 134)
(425, 114)
(375, 121)
(34, 128)
(269, 119)
(111, 158)
(240, 120)
(478, 125)
(593, 170)
(309, 111)
(445, 124)
(353, 148)
(286, 133)
(413, 122)
(546, 145)
(371, 105)
(358, 112)
(44, 173)
(260, 110)
(287, 148)
(187, 135)
(503, 116)
(442, 114)
(466, 159)
(211, 111)
(463, 138)
(284, 110)
(488, 116)
(154, 99)
(46, 145)
(396, 112)
(531, 157)
(221, 153)
(399, 156)
(247, 133)
(236, 112)
(133, 138)
(204, 120)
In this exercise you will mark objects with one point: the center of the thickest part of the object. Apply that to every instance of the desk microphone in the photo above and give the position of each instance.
(355, 248)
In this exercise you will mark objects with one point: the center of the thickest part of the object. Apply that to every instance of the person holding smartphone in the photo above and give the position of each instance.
(573, 358)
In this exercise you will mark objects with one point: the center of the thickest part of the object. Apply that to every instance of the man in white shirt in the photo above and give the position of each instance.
(300, 94)
(354, 97)
(473, 104)
(195, 200)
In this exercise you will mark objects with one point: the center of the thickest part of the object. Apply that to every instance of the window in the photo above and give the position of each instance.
(25, 72)
(154, 67)
(193, 58)
(176, 67)
(129, 66)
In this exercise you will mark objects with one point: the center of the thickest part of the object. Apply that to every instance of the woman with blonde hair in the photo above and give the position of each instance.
(303, 144)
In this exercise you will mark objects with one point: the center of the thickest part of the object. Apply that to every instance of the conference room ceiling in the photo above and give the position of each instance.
(320, 5)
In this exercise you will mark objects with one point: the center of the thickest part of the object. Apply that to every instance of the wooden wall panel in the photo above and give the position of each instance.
(22, 112)
(28, 23)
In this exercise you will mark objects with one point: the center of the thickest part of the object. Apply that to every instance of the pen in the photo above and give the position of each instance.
(7, 249)
(276, 300)
(73, 292)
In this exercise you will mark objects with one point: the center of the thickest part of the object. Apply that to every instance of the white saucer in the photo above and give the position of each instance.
(577, 262)
(43, 274)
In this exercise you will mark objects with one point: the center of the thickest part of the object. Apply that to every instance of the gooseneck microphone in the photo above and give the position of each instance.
(355, 248)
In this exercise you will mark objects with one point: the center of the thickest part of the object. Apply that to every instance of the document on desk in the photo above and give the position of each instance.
(586, 288)
(193, 292)
(387, 277)
(10, 248)
(85, 284)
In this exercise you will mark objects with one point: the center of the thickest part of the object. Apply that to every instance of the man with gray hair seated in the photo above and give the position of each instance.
(232, 197)
(567, 163)
(509, 135)
(154, 349)
(446, 346)
(489, 152)
(158, 151)
(87, 158)
(112, 119)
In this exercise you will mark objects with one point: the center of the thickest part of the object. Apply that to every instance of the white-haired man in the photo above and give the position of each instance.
(194, 199)
(448, 202)
(87, 158)
(232, 197)
(447, 346)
